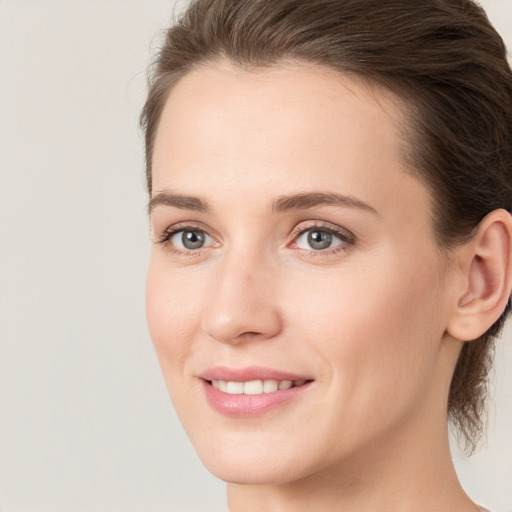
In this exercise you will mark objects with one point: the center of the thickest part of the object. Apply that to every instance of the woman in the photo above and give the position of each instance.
(330, 188)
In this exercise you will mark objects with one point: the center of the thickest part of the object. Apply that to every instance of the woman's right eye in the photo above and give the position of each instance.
(186, 239)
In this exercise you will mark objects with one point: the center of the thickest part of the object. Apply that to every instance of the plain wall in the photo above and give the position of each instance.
(85, 421)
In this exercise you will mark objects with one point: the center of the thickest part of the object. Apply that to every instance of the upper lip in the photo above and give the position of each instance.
(248, 374)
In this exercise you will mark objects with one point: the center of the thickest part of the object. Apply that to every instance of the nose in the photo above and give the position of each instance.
(243, 302)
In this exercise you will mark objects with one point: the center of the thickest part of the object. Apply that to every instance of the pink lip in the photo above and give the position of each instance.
(249, 405)
(249, 373)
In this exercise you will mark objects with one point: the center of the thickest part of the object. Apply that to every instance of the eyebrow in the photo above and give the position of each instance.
(178, 201)
(300, 201)
(303, 201)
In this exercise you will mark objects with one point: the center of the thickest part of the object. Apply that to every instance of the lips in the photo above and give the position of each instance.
(251, 391)
(248, 374)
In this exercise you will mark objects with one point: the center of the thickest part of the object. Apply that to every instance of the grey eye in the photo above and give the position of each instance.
(317, 239)
(190, 239)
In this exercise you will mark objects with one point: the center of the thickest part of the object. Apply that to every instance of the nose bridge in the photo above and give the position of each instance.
(242, 303)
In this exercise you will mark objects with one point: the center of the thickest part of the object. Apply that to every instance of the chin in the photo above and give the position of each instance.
(253, 467)
(257, 474)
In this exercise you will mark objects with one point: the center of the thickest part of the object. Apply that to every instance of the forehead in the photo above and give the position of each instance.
(292, 99)
(295, 126)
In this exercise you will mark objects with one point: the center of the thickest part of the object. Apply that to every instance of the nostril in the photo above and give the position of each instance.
(250, 334)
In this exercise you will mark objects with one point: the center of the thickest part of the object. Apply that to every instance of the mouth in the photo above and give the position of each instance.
(252, 391)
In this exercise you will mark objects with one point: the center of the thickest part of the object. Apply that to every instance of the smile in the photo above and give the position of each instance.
(254, 387)
(251, 391)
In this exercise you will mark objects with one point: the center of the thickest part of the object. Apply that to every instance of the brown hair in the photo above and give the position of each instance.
(441, 57)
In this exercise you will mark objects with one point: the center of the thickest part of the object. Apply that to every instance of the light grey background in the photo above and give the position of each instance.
(85, 421)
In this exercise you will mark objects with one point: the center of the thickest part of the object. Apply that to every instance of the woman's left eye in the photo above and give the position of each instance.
(320, 239)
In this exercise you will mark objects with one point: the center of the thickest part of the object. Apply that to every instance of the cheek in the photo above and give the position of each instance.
(370, 300)
(377, 329)
(173, 310)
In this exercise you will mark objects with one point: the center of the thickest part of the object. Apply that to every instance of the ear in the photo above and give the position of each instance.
(486, 262)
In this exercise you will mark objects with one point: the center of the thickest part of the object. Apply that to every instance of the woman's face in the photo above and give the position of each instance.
(292, 244)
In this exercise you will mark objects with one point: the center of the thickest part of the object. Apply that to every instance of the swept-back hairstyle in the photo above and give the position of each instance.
(441, 58)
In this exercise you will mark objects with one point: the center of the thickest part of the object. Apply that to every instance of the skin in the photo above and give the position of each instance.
(368, 320)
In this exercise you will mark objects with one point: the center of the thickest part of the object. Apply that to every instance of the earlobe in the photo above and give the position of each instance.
(487, 278)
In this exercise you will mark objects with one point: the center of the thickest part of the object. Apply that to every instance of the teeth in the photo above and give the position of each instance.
(234, 388)
(254, 387)
(269, 386)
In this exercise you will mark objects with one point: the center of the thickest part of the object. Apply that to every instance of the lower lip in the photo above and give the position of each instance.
(244, 406)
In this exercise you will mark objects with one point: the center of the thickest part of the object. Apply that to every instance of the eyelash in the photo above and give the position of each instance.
(347, 239)
(167, 235)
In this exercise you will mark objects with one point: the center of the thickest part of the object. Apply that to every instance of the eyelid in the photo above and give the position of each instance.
(343, 233)
(166, 235)
(347, 238)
